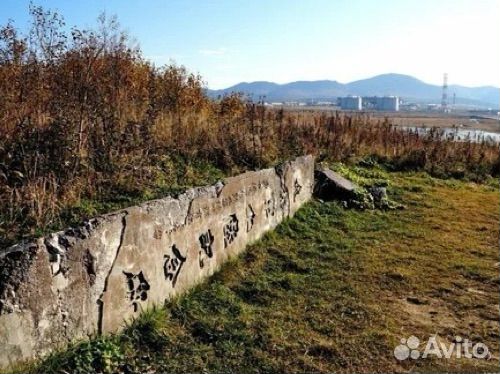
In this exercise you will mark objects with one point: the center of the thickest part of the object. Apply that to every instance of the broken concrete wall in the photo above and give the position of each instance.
(93, 279)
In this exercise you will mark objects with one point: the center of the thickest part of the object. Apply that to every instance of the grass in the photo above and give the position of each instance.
(174, 176)
(331, 290)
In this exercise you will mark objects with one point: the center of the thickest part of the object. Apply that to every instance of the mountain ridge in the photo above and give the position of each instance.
(405, 86)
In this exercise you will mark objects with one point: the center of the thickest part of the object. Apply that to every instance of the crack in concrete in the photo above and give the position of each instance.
(280, 171)
(188, 211)
(100, 303)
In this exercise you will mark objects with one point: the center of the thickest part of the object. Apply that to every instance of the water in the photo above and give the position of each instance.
(459, 135)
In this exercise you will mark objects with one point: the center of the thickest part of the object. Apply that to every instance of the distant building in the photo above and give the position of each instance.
(351, 103)
(433, 107)
(388, 103)
(409, 107)
(383, 103)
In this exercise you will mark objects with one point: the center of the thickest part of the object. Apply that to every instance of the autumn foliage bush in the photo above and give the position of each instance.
(84, 116)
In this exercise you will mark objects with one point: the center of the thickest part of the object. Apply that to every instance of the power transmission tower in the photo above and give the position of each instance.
(444, 98)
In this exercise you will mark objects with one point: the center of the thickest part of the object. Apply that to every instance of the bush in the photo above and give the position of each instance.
(101, 355)
(87, 124)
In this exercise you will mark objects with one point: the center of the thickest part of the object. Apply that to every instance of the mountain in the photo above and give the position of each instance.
(405, 86)
(256, 88)
(394, 84)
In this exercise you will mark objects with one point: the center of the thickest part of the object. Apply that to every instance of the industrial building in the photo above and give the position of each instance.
(388, 103)
(383, 103)
(351, 103)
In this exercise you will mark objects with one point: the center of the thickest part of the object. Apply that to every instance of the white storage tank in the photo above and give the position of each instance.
(351, 103)
(388, 103)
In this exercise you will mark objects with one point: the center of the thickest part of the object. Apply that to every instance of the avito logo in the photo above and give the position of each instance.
(460, 348)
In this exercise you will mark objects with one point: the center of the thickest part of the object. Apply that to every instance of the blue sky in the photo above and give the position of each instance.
(228, 41)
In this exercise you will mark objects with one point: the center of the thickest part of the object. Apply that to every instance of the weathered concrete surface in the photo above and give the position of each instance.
(331, 185)
(52, 298)
(92, 279)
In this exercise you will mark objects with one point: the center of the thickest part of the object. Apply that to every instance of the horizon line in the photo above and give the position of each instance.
(349, 82)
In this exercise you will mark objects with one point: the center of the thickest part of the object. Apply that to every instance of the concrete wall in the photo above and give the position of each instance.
(92, 279)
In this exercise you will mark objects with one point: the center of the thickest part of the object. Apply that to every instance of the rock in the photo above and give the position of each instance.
(330, 185)
(381, 200)
(379, 194)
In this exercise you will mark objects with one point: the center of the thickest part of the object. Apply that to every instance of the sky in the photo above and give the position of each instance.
(230, 41)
